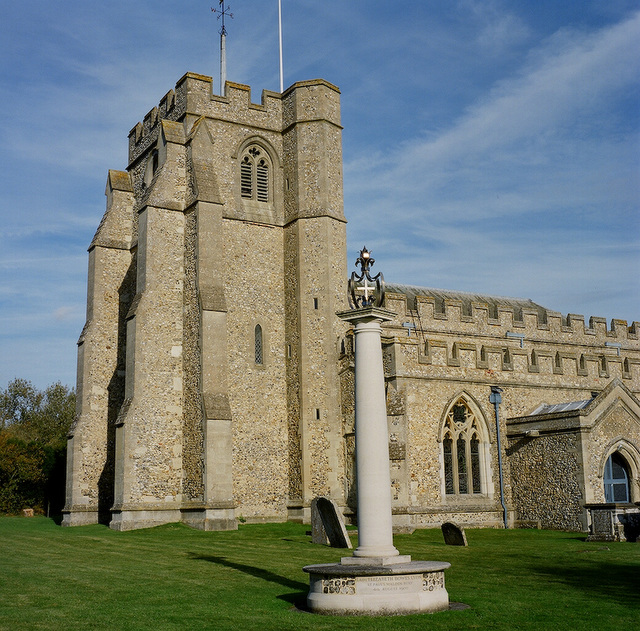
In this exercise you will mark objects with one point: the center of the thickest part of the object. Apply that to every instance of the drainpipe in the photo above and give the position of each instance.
(496, 399)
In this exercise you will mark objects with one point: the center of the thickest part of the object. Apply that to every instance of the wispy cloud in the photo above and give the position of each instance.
(489, 145)
(521, 186)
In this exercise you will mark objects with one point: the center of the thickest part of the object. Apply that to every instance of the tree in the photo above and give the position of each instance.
(33, 434)
(22, 474)
(17, 403)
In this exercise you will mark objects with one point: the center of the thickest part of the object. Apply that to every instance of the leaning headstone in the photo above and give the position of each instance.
(327, 524)
(318, 533)
(453, 534)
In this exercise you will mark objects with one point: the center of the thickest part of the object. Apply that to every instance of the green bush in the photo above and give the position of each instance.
(33, 431)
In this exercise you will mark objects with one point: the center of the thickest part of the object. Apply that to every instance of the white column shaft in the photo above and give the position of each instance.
(375, 535)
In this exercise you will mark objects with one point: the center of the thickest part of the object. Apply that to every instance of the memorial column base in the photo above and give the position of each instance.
(392, 589)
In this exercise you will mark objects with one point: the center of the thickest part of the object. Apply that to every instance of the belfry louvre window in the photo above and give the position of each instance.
(254, 175)
(461, 450)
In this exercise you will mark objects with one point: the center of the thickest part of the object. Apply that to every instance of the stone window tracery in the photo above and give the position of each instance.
(255, 174)
(461, 445)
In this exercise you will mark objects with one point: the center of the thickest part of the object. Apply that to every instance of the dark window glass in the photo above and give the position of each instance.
(475, 464)
(448, 466)
(459, 414)
(461, 447)
(616, 479)
(258, 344)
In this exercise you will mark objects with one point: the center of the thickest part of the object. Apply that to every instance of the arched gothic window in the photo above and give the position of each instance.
(259, 357)
(461, 445)
(254, 174)
(616, 479)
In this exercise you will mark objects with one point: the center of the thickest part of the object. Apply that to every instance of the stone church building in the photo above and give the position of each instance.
(215, 381)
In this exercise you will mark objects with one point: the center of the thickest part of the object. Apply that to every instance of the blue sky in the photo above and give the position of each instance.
(489, 145)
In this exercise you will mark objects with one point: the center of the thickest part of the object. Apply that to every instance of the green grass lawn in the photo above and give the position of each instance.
(173, 577)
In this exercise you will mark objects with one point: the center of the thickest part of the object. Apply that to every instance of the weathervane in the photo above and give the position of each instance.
(222, 11)
(371, 289)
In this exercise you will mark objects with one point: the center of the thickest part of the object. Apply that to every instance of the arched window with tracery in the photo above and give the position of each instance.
(463, 450)
(255, 174)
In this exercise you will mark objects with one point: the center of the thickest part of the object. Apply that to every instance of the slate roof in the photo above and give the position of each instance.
(466, 298)
(560, 407)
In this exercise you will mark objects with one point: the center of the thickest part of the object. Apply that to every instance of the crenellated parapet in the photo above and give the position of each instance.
(497, 316)
(145, 133)
(192, 98)
(458, 333)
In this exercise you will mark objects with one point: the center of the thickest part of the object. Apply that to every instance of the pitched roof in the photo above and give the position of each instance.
(560, 407)
(466, 298)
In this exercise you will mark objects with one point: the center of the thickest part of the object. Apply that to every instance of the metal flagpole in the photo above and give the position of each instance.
(280, 35)
(221, 11)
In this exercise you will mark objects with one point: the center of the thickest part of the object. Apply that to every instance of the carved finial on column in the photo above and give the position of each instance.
(365, 290)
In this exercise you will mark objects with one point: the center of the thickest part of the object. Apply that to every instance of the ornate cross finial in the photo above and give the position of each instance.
(365, 290)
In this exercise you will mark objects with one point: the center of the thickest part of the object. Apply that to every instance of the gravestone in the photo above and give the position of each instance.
(612, 522)
(327, 524)
(453, 534)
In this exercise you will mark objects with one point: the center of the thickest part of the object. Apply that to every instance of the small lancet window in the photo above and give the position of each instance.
(259, 358)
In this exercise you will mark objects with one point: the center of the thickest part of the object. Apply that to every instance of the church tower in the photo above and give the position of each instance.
(208, 365)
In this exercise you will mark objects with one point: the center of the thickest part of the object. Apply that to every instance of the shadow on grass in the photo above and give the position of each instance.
(298, 599)
(258, 572)
(615, 582)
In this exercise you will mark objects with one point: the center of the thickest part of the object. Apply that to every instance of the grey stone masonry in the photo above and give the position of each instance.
(227, 226)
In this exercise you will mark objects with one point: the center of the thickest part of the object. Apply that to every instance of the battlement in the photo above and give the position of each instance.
(503, 317)
(193, 96)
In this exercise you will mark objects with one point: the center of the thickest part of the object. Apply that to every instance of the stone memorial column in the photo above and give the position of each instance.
(376, 580)
(375, 537)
